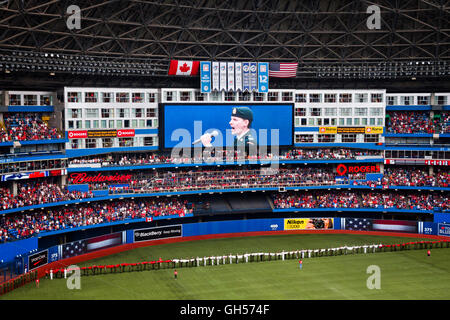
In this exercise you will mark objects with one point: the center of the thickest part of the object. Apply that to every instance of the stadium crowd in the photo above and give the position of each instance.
(24, 225)
(415, 177)
(350, 199)
(34, 193)
(28, 126)
(225, 155)
(417, 122)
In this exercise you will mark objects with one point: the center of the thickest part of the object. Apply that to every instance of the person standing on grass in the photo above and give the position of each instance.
(300, 263)
(429, 252)
(175, 274)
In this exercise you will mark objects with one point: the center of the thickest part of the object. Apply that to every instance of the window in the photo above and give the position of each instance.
(423, 100)
(377, 112)
(376, 97)
(141, 123)
(356, 121)
(91, 143)
(304, 138)
(300, 112)
(15, 100)
(111, 124)
(137, 113)
(372, 121)
(126, 142)
(345, 112)
(406, 100)
(75, 143)
(152, 97)
(170, 96)
(371, 138)
(124, 112)
(119, 124)
(106, 113)
(91, 113)
(148, 141)
(245, 96)
(315, 98)
(316, 112)
(349, 121)
(391, 101)
(441, 100)
(74, 113)
(74, 97)
(151, 112)
(330, 98)
(330, 112)
(107, 143)
(70, 124)
(380, 122)
(46, 100)
(104, 124)
(185, 95)
(106, 97)
(122, 97)
(319, 121)
(90, 97)
(272, 96)
(300, 97)
(350, 137)
(361, 97)
(126, 123)
(364, 121)
(286, 96)
(95, 124)
(341, 121)
(134, 123)
(30, 100)
(326, 137)
(230, 96)
(87, 124)
(215, 95)
(345, 98)
(199, 96)
(258, 96)
(149, 123)
(137, 97)
(359, 112)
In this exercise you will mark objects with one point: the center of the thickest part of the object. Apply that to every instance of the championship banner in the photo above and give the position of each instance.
(215, 76)
(223, 76)
(238, 76)
(230, 76)
(351, 130)
(263, 77)
(308, 224)
(246, 76)
(205, 76)
(374, 130)
(158, 233)
(253, 76)
(327, 130)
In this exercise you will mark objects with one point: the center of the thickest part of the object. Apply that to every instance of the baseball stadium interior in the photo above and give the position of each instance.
(102, 120)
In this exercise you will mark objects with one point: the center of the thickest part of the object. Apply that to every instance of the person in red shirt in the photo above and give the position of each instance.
(300, 263)
(429, 252)
(175, 274)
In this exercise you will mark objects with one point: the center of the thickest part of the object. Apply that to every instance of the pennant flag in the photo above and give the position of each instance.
(283, 70)
(183, 68)
(215, 75)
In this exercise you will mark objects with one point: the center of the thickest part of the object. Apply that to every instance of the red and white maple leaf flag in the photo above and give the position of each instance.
(183, 68)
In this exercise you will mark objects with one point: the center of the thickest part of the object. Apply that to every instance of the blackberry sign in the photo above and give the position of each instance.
(37, 260)
(158, 233)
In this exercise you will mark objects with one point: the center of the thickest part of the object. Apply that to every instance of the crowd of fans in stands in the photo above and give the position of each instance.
(294, 154)
(28, 126)
(350, 199)
(33, 193)
(415, 177)
(24, 225)
(417, 122)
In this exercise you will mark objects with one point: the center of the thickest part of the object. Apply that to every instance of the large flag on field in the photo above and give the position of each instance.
(184, 68)
(283, 70)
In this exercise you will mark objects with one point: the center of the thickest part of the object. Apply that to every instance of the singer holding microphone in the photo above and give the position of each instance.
(241, 120)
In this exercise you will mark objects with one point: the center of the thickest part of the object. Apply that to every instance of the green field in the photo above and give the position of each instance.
(405, 275)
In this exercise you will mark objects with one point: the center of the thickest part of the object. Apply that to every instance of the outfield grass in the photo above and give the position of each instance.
(404, 275)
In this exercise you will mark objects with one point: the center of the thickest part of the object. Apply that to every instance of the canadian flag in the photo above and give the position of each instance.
(184, 68)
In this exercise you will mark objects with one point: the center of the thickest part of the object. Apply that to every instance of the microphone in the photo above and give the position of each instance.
(215, 133)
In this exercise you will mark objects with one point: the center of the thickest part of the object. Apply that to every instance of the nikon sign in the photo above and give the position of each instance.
(308, 224)
(158, 233)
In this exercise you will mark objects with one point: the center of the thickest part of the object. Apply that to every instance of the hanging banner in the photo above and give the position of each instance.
(253, 76)
(223, 76)
(246, 76)
(215, 75)
(230, 76)
(263, 77)
(238, 76)
(205, 76)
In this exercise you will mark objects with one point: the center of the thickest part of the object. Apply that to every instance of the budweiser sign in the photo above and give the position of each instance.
(78, 178)
(78, 134)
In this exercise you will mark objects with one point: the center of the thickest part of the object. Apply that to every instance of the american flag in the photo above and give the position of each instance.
(282, 70)
(74, 249)
(358, 224)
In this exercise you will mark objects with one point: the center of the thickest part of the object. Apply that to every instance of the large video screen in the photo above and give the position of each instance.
(185, 124)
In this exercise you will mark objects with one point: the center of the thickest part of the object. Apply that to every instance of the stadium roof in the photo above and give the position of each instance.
(330, 39)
